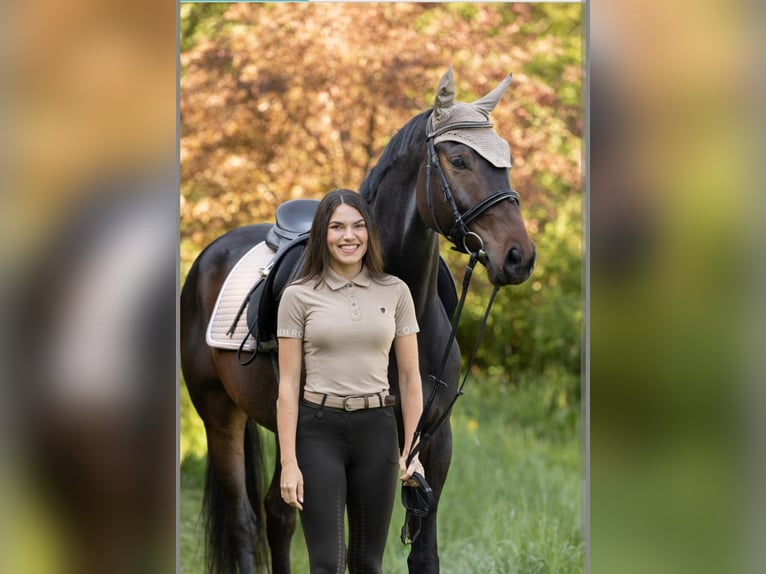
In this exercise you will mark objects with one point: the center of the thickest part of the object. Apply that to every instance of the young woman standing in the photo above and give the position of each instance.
(337, 435)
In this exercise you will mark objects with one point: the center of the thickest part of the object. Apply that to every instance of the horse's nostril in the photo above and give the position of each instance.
(515, 256)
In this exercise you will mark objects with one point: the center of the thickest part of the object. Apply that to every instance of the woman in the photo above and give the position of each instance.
(337, 438)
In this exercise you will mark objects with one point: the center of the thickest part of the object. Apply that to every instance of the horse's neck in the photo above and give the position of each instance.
(410, 249)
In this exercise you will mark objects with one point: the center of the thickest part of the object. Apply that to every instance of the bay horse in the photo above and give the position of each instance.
(444, 172)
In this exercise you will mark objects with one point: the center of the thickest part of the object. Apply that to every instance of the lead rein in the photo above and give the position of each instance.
(421, 437)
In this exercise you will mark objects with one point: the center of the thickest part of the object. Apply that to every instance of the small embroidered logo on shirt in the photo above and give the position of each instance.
(382, 310)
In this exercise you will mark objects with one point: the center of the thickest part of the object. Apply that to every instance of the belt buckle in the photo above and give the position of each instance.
(346, 406)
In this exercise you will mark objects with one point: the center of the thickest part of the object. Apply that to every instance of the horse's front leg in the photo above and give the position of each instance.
(424, 555)
(280, 522)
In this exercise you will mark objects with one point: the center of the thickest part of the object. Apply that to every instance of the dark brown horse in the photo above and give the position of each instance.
(446, 170)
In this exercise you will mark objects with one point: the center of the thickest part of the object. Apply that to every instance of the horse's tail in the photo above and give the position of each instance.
(220, 549)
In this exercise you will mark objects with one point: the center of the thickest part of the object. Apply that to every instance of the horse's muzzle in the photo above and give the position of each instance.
(516, 267)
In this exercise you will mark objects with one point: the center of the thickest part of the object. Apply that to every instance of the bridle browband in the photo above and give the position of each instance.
(459, 232)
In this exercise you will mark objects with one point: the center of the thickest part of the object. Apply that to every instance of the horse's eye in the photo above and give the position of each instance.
(458, 162)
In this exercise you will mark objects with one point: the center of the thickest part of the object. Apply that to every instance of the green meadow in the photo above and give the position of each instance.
(513, 502)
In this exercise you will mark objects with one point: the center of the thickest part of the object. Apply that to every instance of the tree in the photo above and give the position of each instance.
(281, 101)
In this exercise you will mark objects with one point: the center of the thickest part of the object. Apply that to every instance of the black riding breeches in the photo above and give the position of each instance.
(348, 460)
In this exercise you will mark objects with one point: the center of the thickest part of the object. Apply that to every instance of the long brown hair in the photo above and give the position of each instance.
(317, 254)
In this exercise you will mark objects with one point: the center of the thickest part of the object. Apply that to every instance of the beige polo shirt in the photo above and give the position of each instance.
(347, 329)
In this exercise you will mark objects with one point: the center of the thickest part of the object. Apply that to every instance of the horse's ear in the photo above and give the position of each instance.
(445, 94)
(488, 102)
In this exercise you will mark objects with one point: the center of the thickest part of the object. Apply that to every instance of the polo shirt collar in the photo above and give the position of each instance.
(335, 281)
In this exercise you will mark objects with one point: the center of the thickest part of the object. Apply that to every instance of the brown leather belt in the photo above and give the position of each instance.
(352, 403)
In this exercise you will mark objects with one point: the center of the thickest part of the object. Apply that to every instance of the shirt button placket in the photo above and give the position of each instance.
(354, 304)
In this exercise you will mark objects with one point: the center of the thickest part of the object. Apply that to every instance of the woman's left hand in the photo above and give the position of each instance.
(406, 472)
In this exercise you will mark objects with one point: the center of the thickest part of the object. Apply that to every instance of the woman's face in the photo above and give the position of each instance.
(346, 240)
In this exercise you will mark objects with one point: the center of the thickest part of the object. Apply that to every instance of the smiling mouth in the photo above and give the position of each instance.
(349, 248)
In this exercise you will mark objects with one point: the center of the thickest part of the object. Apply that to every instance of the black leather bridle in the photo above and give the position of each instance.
(459, 232)
(417, 498)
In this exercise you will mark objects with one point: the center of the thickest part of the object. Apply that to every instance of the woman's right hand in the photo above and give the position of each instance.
(291, 485)
(406, 472)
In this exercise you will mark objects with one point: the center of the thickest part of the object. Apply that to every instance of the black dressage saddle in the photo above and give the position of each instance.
(293, 218)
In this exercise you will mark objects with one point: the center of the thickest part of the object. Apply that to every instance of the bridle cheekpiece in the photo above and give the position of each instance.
(459, 234)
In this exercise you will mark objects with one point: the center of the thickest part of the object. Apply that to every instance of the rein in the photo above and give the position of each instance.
(421, 493)
(458, 236)
(422, 436)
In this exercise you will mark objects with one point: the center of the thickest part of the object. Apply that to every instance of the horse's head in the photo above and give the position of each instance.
(464, 191)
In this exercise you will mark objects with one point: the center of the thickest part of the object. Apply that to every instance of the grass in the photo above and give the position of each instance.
(512, 502)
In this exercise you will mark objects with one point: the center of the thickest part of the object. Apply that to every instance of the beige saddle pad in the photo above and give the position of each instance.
(243, 276)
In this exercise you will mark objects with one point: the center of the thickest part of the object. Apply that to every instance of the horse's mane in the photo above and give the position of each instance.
(401, 144)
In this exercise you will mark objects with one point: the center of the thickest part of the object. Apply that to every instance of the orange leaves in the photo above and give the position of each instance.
(279, 100)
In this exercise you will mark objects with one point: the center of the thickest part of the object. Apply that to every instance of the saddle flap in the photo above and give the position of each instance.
(263, 305)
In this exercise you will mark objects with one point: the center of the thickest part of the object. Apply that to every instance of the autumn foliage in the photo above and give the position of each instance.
(285, 100)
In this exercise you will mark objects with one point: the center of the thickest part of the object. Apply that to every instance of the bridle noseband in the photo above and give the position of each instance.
(459, 232)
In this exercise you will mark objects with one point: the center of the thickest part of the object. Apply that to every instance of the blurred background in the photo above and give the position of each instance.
(674, 276)
(88, 275)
